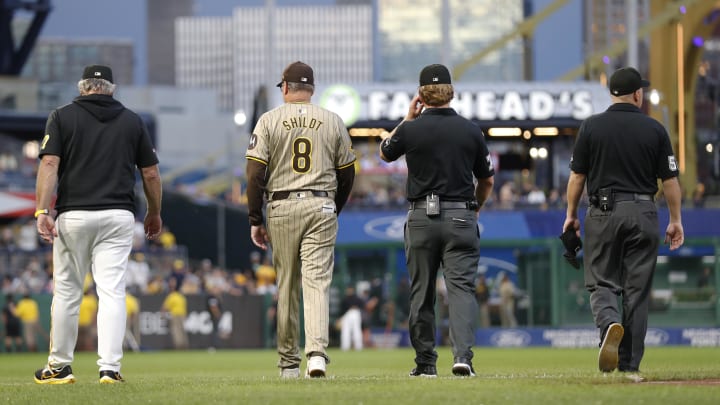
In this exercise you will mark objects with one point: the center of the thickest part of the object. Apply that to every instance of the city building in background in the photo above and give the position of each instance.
(204, 57)
(161, 16)
(61, 60)
(415, 33)
(238, 55)
(607, 24)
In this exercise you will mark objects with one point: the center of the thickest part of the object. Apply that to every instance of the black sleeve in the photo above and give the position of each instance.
(483, 166)
(256, 179)
(52, 141)
(394, 146)
(580, 161)
(345, 178)
(667, 164)
(146, 155)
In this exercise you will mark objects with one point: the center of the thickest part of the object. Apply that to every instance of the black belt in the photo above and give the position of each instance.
(618, 197)
(447, 205)
(284, 195)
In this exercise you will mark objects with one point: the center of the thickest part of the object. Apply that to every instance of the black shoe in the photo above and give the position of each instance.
(463, 367)
(63, 375)
(110, 377)
(608, 356)
(424, 370)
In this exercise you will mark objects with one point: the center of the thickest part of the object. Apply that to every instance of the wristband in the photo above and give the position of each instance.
(44, 211)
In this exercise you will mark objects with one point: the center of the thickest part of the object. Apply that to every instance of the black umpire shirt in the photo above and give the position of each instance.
(100, 143)
(443, 150)
(625, 150)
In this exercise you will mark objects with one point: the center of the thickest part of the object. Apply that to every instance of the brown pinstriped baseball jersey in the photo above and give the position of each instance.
(302, 144)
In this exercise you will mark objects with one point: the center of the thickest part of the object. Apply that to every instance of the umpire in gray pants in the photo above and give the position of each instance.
(444, 153)
(621, 153)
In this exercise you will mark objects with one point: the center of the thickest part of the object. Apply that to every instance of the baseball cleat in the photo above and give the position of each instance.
(110, 377)
(47, 375)
(290, 372)
(315, 367)
(608, 356)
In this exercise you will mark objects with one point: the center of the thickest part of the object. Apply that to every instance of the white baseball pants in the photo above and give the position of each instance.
(351, 330)
(97, 241)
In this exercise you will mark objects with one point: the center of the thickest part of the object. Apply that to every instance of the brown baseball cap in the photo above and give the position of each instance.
(97, 72)
(297, 72)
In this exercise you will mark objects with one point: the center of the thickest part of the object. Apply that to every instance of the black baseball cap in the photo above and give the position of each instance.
(434, 74)
(625, 81)
(297, 72)
(97, 72)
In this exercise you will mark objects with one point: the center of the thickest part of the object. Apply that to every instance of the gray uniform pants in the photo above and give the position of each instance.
(621, 248)
(450, 240)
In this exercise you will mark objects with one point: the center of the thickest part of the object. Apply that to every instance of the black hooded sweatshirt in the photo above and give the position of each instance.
(100, 143)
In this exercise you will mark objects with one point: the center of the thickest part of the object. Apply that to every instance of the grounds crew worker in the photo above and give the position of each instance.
(621, 153)
(445, 153)
(301, 156)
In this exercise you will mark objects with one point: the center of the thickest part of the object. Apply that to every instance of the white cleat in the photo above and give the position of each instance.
(315, 367)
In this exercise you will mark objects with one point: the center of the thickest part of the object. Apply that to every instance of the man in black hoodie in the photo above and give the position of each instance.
(90, 152)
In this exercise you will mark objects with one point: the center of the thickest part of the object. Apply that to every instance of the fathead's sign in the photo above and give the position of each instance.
(532, 101)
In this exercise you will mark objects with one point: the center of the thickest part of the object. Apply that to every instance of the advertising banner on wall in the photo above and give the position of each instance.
(242, 324)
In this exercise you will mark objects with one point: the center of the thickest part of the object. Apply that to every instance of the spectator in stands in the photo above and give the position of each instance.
(218, 279)
(265, 276)
(167, 239)
(507, 196)
(8, 162)
(157, 285)
(7, 239)
(138, 273)
(243, 283)
(27, 237)
(536, 196)
(191, 284)
(11, 285)
(175, 305)
(555, 199)
(32, 276)
(178, 272)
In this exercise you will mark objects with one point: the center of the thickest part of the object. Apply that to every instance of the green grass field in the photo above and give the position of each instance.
(675, 375)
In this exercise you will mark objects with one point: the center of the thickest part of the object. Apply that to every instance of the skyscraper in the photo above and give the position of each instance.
(161, 17)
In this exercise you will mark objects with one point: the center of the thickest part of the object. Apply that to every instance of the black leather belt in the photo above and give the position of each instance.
(618, 197)
(444, 205)
(284, 195)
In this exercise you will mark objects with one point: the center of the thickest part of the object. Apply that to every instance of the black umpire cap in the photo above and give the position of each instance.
(434, 74)
(625, 81)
